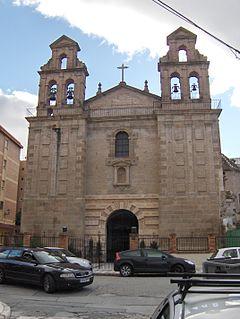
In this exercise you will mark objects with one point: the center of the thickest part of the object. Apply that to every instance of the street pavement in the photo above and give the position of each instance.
(5, 311)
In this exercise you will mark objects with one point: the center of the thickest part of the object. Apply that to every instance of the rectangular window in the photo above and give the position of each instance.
(1, 205)
(6, 144)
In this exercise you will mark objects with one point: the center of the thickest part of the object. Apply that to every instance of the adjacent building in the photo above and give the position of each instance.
(9, 167)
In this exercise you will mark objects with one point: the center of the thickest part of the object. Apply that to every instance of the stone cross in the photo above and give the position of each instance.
(122, 67)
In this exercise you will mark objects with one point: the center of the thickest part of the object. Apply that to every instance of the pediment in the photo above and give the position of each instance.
(122, 96)
(180, 34)
(64, 41)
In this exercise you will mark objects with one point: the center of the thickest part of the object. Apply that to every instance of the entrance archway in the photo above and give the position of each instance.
(119, 225)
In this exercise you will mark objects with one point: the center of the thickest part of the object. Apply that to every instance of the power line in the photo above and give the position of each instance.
(165, 6)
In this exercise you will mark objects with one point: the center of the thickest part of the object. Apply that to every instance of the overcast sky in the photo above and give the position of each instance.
(109, 33)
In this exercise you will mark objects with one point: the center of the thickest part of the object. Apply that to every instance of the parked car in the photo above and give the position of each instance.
(40, 267)
(224, 260)
(230, 252)
(208, 297)
(147, 260)
(70, 256)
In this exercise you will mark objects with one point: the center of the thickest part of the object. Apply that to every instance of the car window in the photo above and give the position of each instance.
(230, 253)
(132, 253)
(28, 256)
(4, 253)
(154, 253)
(15, 253)
(165, 313)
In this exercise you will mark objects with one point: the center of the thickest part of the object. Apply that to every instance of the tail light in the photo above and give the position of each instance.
(118, 256)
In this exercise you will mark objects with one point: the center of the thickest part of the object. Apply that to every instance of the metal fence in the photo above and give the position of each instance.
(7, 240)
(192, 244)
(38, 241)
(162, 243)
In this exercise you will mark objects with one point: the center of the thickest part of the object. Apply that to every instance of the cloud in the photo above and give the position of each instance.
(132, 27)
(14, 108)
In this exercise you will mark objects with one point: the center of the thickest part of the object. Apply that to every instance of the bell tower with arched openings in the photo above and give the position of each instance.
(184, 72)
(62, 79)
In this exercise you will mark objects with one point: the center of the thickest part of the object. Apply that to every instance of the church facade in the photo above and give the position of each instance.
(126, 159)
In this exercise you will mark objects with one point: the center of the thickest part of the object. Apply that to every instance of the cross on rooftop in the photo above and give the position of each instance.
(122, 67)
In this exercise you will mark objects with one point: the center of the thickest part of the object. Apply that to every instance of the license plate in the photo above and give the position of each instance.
(84, 279)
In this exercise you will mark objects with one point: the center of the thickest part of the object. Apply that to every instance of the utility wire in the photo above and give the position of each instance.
(181, 16)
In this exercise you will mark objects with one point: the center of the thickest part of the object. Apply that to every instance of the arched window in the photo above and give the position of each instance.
(121, 175)
(63, 62)
(52, 93)
(121, 144)
(182, 54)
(70, 92)
(194, 86)
(175, 87)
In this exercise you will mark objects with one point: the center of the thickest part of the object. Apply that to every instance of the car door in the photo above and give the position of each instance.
(29, 270)
(156, 261)
(21, 268)
(12, 266)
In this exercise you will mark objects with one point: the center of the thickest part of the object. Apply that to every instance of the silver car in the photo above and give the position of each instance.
(208, 297)
(70, 256)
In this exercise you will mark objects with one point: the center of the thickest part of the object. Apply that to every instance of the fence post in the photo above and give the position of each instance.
(26, 240)
(133, 241)
(63, 241)
(211, 243)
(173, 243)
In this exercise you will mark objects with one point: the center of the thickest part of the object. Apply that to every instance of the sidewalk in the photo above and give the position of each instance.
(5, 311)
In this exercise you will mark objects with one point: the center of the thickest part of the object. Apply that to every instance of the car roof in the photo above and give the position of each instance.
(207, 283)
(224, 248)
(22, 248)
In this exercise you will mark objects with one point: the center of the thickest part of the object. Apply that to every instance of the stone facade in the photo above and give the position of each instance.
(9, 168)
(124, 153)
(230, 211)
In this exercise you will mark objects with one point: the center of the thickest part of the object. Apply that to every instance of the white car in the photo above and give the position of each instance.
(70, 256)
(227, 252)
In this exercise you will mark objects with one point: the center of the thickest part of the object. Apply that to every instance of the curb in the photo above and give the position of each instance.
(5, 311)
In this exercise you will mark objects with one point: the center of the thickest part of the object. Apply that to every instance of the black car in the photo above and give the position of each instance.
(201, 296)
(41, 267)
(147, 260)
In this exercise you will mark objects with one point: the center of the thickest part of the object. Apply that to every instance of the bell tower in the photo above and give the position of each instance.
(56, 158)
(62, 79)
(189, 142)
(184, 73)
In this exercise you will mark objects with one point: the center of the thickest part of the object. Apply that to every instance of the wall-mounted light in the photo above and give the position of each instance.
(64, 229)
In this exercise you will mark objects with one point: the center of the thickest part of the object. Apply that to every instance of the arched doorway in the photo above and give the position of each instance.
(119, 225)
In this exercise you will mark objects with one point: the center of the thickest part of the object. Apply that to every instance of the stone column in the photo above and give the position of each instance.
(133, 241)
(63, 241)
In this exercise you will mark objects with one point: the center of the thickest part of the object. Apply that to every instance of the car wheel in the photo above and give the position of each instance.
(178, 268)
(126, 270)
(49, 285)
(2, 276)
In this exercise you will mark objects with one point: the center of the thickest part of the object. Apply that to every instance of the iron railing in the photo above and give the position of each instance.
(192, 244)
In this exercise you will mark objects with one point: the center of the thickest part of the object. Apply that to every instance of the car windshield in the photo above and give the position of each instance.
(46, 257)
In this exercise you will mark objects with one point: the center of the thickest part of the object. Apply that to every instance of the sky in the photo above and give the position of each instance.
(109, 33)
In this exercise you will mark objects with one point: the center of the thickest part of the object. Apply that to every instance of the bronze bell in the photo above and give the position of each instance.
(70, 94)
(53, 92)
(175, 88)
(194, 87)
